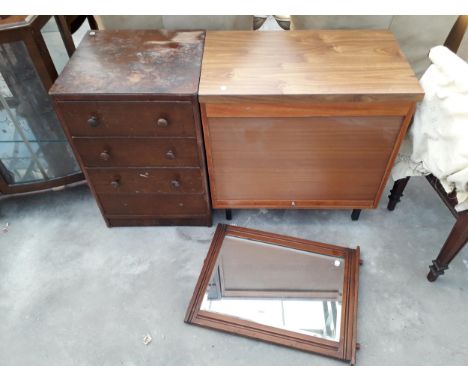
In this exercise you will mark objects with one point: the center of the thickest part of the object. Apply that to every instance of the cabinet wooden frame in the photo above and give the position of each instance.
(344, 349)
(317, 126)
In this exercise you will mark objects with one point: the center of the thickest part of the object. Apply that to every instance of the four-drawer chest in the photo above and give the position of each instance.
(128, 103)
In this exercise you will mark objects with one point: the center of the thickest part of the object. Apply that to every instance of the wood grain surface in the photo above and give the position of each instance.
(134, 62)
(349, 109)
(315, 161)
(13, 20)
(138, 152)
(147, 180)
(129, 118)
(306, 66)
(153, 205)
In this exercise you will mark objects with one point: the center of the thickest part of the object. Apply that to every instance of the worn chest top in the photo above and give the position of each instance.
(134, 62)
(312, 65)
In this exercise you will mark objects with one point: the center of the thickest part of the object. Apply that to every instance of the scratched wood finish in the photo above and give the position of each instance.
(128, 103)
(137, 152)
(146, 180)
(138, 220)
(134, 62)
(129, 119)
(305, 66)
(153, 205)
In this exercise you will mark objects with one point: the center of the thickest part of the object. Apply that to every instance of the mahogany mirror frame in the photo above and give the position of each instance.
(344, 349)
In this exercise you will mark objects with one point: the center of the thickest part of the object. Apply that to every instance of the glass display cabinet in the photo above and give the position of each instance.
(34, 151)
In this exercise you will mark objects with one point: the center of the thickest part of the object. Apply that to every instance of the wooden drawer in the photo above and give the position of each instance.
(128, 119)
(122, 180)
(153, 205)
(132, 221)
(137, 152)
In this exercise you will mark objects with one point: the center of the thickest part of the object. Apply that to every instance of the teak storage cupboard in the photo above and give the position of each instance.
(128, 103)
(303, 119)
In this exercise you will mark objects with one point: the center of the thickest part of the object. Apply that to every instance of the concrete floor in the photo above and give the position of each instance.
(74, 292)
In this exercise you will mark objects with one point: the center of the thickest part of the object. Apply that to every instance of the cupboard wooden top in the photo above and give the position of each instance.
(134, 62)
(306, 65)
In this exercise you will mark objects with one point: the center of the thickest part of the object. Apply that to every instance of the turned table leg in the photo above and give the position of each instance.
(454, 243)
(397, 192)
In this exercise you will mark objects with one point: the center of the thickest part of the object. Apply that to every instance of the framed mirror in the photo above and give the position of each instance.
(279, 289)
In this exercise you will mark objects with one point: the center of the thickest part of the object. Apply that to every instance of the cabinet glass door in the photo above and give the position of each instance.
(33, 146)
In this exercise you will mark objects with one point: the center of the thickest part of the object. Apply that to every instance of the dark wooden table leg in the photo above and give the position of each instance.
(228, 214)
(355, 215)
(397, 192)
(92, 22)
(454, 243)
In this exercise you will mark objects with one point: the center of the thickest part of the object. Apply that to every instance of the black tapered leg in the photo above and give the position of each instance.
(228, 214)
(397, 192)
(355, 215)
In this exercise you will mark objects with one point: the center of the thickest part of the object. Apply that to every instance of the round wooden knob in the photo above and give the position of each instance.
(115, 183)
(93, 121)
(170, 155)
(162, 122)
(175, 183)
(104, 155)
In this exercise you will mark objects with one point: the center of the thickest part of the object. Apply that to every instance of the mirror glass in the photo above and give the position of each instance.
(55, 45)
(277, 286)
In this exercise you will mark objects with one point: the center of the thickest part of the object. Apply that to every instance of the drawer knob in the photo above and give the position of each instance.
(170, 155)
(293, 204)
(93, 121)
(175, 183)
(162, 122)
(104, 155)
(115, 183)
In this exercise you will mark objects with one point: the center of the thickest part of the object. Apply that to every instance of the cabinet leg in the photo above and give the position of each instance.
(454, 243)
(397, 192)
(228, 214)
(355, 215)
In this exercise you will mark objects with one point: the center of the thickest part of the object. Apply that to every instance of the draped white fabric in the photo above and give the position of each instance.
(437, 142)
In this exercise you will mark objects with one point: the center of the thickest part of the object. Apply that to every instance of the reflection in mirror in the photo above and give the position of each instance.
(55, 45)
(281, 287)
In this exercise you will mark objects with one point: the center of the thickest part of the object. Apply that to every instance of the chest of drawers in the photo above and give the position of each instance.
(128, 103)
(303, 119)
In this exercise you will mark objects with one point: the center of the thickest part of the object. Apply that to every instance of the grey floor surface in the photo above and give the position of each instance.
(74, 292)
